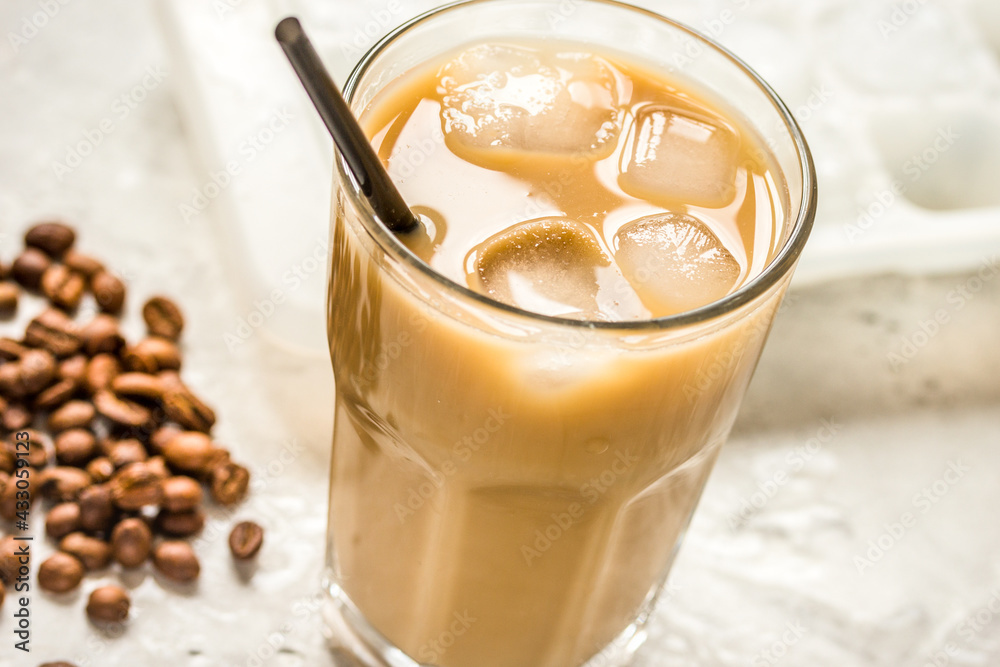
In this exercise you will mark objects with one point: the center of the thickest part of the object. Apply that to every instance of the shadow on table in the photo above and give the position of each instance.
(878, 346)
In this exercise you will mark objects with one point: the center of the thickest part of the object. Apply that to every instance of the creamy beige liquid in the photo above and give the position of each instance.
(513, 497)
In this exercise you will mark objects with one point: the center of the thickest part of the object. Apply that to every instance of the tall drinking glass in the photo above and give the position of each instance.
(509, 489)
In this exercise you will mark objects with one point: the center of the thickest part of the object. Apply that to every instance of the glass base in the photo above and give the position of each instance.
(355, 643)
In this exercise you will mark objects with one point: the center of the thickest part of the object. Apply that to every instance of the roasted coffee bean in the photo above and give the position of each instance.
(38, 454)
(176, 560)
(120, 410)
(142, 431)
(5, 477)
(101, 469)
(108, 604)
(9, 294)
(12, 494)
(101, 371)
(72, 414)
(163, 318)
(124, 452)
(138, 385)
(92, 552)
(218, 458)
(101, 335)
(161, 436)
(131, 542)
(29, 268)
(73, 369)
(10, 380)
(183, 407)
(63, 286)
(56, 395)
(61, 663)
(136, 486)
(229, 483)
(181, 494)
(109, 292)
(75, 447)
(63, 483)
(180, 524)
(245, 540)
(85, 265)
(52, 330)
(38, 450)
(59, 573)
(4, 404)
(97, 510)
(3, 594)
(188, 451)
(152, 355)
(38, 370)
(10, 349)
(11, 383)
(9, 495)
(16, 417)
(104, 446)
(62, 520)
(55, 238)
(158, 466)
(12, 558)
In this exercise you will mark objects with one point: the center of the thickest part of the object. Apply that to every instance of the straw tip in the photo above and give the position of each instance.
(288, 30)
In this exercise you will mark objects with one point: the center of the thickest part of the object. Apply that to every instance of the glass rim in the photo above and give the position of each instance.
(779, 267)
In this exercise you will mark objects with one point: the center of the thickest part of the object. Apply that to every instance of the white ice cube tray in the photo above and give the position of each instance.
(900, 102)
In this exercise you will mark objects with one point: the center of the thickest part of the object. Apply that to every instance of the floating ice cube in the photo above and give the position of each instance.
(554, 266)
(675, 262)
(682, 156)
(499, 99)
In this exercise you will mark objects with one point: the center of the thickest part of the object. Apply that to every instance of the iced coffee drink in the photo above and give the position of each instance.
(532, 387)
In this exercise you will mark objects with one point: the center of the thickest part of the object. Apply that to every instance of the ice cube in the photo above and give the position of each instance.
(498, 99)
(555, 266)
(675, 262)
(683, 156)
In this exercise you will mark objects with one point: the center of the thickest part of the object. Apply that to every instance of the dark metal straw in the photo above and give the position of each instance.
(347, 134)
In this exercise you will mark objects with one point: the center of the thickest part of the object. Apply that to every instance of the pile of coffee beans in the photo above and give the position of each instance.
(120, 448)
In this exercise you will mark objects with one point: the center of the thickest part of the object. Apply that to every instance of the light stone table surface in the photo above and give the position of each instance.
(857, 417)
